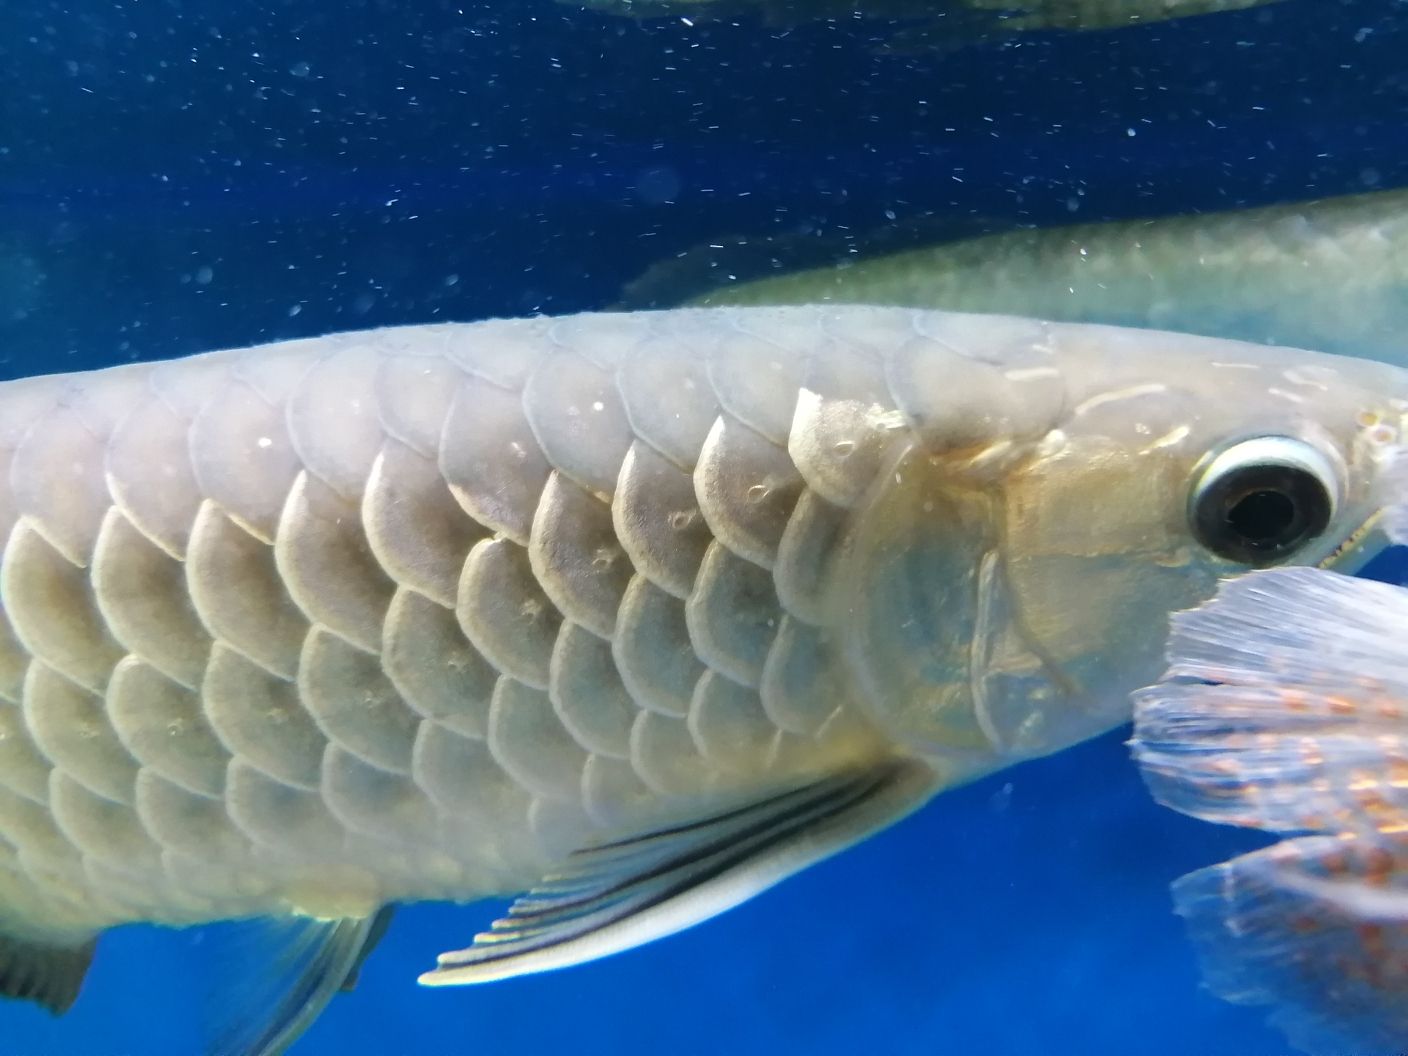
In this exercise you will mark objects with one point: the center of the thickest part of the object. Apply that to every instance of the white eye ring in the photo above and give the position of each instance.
(1258, 501)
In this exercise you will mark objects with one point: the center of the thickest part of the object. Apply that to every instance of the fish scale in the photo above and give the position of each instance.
(249, 600)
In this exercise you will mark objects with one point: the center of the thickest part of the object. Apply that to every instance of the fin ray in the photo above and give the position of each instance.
(1298, 722)
(629, 892)
(1315, 927)
(292, 969)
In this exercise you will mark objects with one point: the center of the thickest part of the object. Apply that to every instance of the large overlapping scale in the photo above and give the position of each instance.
(409, 613)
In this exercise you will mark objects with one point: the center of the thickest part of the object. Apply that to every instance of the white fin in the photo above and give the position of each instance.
(1306, 726)
(288, 970)
(1316, 927)
(624, 894)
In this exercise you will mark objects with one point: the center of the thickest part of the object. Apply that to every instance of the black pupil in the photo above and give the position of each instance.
(1260, 513)
(1262, 517)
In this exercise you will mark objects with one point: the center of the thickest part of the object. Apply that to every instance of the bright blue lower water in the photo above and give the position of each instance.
(176, 176)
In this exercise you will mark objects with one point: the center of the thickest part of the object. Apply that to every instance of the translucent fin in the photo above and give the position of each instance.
(376, 931)
(288, 970)
(624, 894)
(47, 975)
(1316, 927)
(1306, 728)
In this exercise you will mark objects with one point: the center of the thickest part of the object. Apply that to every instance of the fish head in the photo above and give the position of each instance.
(1020, 563)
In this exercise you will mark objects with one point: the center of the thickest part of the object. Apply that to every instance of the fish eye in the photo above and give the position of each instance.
(1260, 500)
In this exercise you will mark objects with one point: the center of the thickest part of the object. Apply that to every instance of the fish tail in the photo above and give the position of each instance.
(1285, 707)
(1315, 927)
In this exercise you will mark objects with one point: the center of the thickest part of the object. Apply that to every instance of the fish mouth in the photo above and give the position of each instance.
(1359, 547)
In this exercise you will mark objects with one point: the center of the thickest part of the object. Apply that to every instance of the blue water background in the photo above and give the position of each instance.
(183, 176)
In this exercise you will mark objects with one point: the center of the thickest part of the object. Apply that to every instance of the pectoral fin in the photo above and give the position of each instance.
(623, 894)
(1259, 722)
(48, 975)
(287, 972)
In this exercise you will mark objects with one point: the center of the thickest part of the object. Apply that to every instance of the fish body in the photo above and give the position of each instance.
(1286, 709)
(637, 612)
(1330, 274)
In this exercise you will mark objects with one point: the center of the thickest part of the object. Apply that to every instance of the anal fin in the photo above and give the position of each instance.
(47, 975)
(615, 896)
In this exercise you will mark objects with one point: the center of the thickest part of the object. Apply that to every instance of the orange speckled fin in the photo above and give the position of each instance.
(1316, 927)
(1285, 706)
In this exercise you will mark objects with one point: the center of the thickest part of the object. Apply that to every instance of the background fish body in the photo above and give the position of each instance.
(414, 613)
(1329, 274)
(954, 21)
(1104, 14)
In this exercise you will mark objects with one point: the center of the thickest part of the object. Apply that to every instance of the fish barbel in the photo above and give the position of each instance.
(1286, 709)
(638, 613)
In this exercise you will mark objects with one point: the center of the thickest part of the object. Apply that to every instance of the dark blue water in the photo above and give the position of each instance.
(181, 176)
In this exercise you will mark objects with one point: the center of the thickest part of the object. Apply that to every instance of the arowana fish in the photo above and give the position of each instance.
(943, 21)
(638, 613)
(1330, 274)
